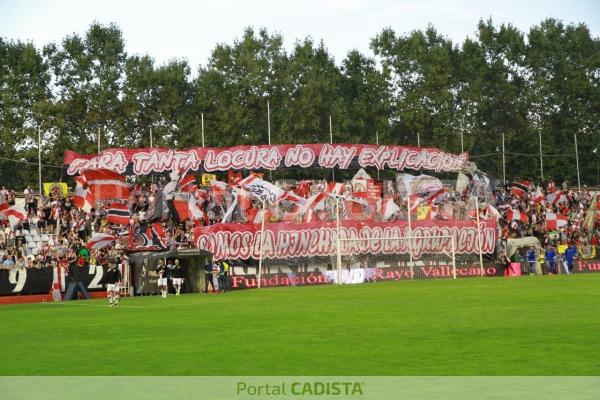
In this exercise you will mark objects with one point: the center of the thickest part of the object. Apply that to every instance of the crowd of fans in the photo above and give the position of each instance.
(60, 230)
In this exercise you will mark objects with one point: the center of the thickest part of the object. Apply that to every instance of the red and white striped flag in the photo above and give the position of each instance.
(187, 183)
(555, 221)
(106, 185)
(520, 189)
(516, 215)
(118, 214)
(556, 198)
(335, 188)
(313, 203)
(100, 241)
(14, 214)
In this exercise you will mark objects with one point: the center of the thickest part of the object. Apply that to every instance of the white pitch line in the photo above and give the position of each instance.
(90, 305)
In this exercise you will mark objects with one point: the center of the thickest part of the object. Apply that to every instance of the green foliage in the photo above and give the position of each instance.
(545, 82)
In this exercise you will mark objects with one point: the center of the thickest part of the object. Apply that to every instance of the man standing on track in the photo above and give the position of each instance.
(162, 271)
(113, 279)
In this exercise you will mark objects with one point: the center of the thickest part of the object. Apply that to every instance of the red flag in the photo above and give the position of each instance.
(234, 177)
(106, 185)
(520, 189)
(118, 214)
(83, 199)
(187, 183)
(303, 188)
(15, 214)
(335, 188)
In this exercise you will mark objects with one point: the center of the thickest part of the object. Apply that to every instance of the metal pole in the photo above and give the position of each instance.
(377, 142)
(202, 124)
(331, 142)
(418, 140)
(577, 161)
(503, 162)
(330, 131)
(269, 121)
(462, 143)
(262, 242)
(338, 242)
(453, 257)
(151, 144)
(479, 236)
(541, 159)
(40, 159)
(269, 133)
(410, 247)
(98, 140)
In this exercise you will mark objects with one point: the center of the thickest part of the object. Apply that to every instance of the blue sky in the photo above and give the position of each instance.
(190, 30)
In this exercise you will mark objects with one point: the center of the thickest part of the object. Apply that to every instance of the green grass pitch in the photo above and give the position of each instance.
(546, 325)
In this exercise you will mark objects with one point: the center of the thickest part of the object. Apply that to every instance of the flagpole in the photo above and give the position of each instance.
(577, 162)
(40, 159)
(479, 236)
(541, 158)
(202, 124)
(262, 242)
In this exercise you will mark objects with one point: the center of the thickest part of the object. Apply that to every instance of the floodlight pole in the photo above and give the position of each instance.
(331, 142)
(541, 158)
(40, 160)
(269, 132)
(577, 162)
(503, 162)
(377, 143)
(262, 242)
(479, 237)
(202, 127)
